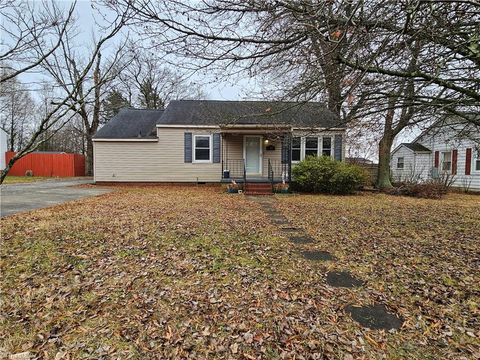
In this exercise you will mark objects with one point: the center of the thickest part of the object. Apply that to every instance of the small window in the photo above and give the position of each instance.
(202, 147)
(296, 147)
(476, 163)
(446, 161)
(311, 146)
(327, 146)
(400, 162)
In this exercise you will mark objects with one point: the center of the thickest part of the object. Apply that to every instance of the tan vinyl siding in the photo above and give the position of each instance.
(161, 161)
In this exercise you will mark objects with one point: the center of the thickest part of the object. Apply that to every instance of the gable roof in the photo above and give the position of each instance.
(131, 124)
(416, 147)
(413, 146)
(222, 113)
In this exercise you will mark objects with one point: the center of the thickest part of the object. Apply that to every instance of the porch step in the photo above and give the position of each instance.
(258, 189)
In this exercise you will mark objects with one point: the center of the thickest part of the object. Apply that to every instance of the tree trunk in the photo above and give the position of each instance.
(384, 148)
(89, 157)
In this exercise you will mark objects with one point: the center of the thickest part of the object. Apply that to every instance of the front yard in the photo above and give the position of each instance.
(176, 272)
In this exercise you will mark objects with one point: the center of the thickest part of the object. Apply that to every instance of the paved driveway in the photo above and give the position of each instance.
(24, 197)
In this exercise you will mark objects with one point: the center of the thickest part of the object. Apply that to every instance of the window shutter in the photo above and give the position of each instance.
(187, 148)
(468, 161)
(437, 159)
(286, 142)
(338, 147)
(216, 148)
(454, 162)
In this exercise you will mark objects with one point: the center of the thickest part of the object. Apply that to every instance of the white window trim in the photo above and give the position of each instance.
(475, 158)
(301, 150)
(303, 141)
(442, 152)
(194, 146)
(403, 162)
(332, 146)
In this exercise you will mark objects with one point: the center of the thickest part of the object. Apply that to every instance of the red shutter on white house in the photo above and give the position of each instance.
(454, 162)
(468, 161)
(437, 159)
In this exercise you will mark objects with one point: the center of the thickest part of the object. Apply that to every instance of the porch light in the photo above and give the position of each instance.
(266, 141)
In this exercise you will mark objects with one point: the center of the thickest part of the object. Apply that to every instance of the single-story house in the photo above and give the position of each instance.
(207, 141)
(449, 147)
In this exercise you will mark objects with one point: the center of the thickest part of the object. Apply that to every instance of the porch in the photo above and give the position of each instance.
(256, 157)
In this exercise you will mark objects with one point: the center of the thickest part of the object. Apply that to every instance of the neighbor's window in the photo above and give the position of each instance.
(296, 148)
(202, 147)
(327, 146)
(446, 160)
(400, 163)
(311, 146)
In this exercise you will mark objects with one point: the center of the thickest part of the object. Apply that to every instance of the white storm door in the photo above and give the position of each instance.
(252, 152)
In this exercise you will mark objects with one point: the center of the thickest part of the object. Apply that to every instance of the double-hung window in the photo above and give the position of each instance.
(400, 162)
(311, 146)
(327, 146)
(446, 161)
(296, 148)
(476, 162)
(202, 148)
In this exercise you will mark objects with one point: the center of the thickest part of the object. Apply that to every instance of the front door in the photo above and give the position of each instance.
(252, 147)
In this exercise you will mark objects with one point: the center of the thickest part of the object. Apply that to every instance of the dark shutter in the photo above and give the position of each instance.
(437, 159)
(454, 162)
(187, 148)
(216, 148)
(286, 143)
(468, 161)
(338, 147)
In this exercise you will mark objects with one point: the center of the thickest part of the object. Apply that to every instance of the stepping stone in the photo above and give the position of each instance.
(301, 239)
(280, 221)
(318, 255)
(374, 317)
(342, 279)
(290, 229)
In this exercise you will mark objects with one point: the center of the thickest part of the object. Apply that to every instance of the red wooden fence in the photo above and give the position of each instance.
(48, 164)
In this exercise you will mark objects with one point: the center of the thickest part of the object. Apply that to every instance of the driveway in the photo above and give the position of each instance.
(17, 198)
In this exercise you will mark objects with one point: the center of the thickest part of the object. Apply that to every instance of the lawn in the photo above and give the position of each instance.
(23, 179)
(176, 272)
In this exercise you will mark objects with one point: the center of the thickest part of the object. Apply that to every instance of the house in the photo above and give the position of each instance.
(3, 148)
(450, 147)
(208, 141)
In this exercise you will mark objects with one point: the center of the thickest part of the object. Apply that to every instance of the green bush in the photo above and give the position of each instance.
(325, 175)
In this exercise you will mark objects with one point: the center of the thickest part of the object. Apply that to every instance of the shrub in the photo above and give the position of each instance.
(429, 189)
(325, 175)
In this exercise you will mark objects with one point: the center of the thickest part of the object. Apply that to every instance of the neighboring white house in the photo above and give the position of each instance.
(450, 147)
(3, 148)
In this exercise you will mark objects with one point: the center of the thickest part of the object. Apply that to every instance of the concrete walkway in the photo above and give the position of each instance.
(17, 198)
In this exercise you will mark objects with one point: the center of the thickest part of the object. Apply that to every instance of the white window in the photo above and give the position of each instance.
(296, 148)
(400, 162)
(311, 146)
(446, 161)
(202, 148)
(327, 146)
(476, 162)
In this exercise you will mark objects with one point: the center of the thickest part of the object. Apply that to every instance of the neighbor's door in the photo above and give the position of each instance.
(252, 147)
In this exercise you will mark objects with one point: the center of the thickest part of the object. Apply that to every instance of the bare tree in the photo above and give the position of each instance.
(148, 82)
(17, 109)
(31, 32)
(63, 109)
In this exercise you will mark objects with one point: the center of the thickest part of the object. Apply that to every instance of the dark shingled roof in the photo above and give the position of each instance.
(216, 112)
(131, 124)
(416, 147)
